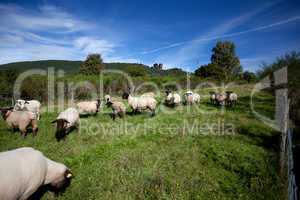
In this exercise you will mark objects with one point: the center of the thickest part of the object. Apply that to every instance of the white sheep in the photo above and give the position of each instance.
(148, 94)
(231, 98)
(21, 120)
(172, 99)
(196, 98)
(23, 171)
(191, 97)
(88, 107)
(221, 98)
(140, 103)
(213, 98)
(65, 121)
(118, 108)
(33, 106)
(107, 98)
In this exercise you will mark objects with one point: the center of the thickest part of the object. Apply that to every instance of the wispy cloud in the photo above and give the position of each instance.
(48, 33)
(90, 45)
(189, 52)
(222, 36)
(45, 18)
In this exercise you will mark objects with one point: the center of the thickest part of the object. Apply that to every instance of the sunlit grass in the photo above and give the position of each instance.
(163, 157)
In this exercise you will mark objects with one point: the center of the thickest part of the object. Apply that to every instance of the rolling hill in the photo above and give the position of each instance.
(73, 67)
(66, 65)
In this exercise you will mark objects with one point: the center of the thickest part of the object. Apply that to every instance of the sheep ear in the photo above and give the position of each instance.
(68, 174)
(53, 121)
(26, 102)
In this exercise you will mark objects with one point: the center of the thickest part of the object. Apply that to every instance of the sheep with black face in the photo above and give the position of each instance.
(172, 99)
(140, 103)
(23, 171)
(118, 108)
(65, 121)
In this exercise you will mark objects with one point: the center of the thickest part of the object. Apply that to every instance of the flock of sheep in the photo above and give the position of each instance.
(23, 171)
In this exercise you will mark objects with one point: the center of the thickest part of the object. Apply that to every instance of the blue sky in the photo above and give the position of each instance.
(175, 33)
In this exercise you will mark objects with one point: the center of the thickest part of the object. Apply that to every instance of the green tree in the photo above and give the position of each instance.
(249, 76)
(92, 65)
(158, 67)
(134, 70)
(225, 57)
(211, 71)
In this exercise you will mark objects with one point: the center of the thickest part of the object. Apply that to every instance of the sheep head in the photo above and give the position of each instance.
(125, 95)
(61, 128)
(5, 112)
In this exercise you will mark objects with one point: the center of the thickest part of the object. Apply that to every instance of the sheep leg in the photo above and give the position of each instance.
(23, 133)
(152, 113)
(114, 116)
(34, 127)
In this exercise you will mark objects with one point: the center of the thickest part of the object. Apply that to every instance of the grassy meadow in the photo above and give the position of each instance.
(187, 152)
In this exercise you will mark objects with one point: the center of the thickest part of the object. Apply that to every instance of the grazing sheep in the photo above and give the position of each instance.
(107, 98)
(172, 99)
(20, 119)
(221, 99)
(140, 103)
(23, 171)
(148, 94)
(231, 98)
(213, 98)
(117, 107)
(191, 98)
(65, 121)
(33, 106)
(88, 107)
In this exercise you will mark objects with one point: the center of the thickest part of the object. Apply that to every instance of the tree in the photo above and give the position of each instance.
(157, 66)
(211, 71)
(136, 71)
(92, 65)
(225, 57)
(249, 76)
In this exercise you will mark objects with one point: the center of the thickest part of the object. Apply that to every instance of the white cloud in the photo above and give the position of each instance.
(121, 59)
(29, 51)
(48, 33)
(191, 52)
(46, 18)
(93, 45)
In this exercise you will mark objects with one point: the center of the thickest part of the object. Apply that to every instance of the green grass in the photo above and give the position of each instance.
(161, 158)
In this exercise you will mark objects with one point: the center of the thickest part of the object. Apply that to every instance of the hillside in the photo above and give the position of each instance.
(73, 67)
(68, 66)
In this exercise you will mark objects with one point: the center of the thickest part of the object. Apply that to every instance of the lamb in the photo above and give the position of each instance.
(140, 103)
(231, 98)
(148, 94)
(117, 107)
(88, 107)
(21, 120)
(24, 170)
(172, 99)
(192, 98)
(65, 122)
(107, 98)
(33, 106)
